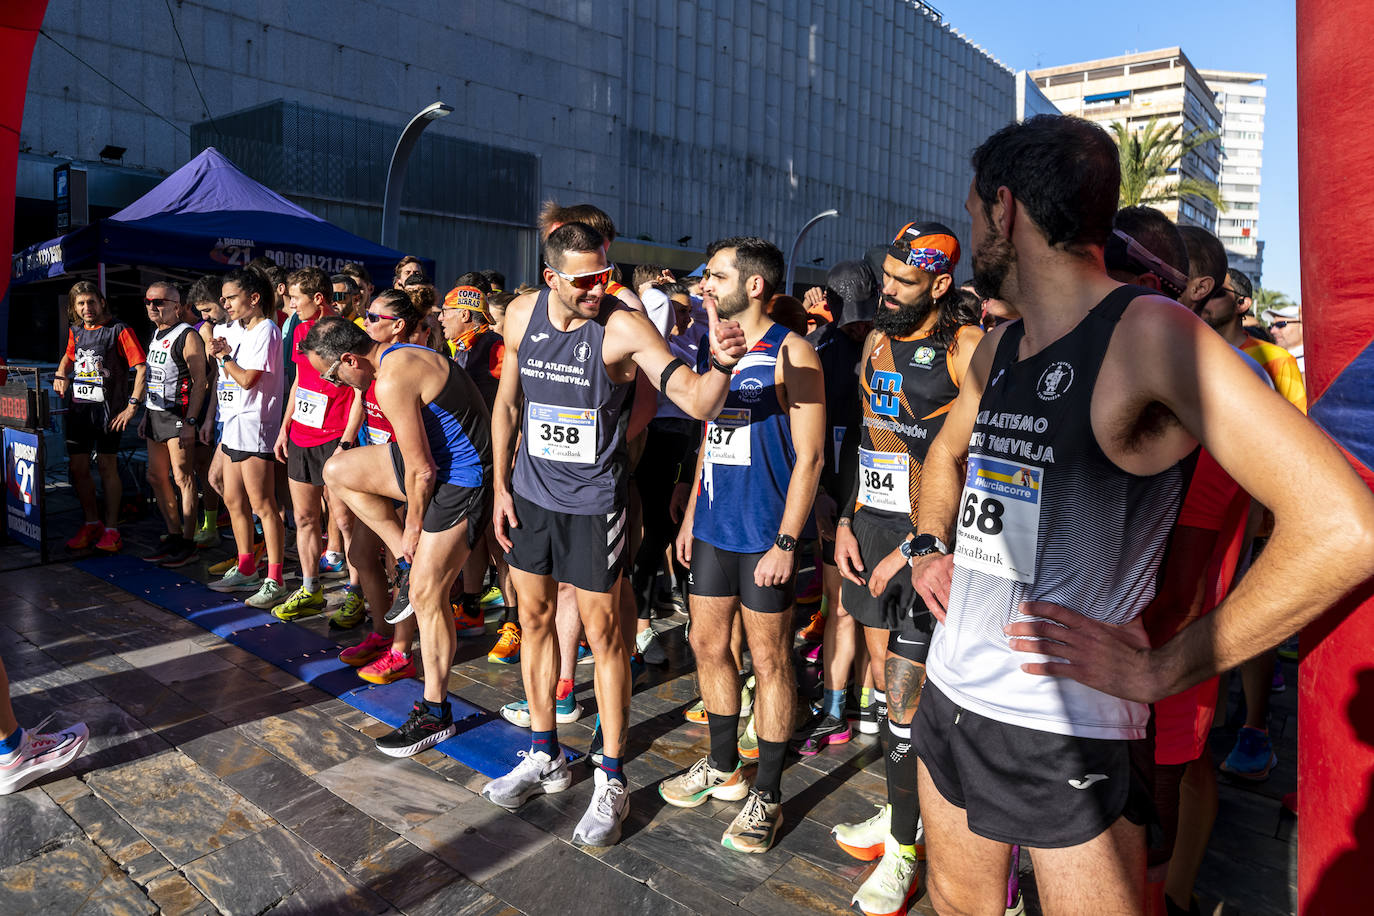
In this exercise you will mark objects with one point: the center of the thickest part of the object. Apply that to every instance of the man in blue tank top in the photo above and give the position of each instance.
(1055, 482)
(572, 354)
(756, 477)
(438, 463)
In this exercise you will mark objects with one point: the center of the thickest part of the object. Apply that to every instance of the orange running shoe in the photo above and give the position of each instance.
(814, 631)
(507, 648)
(391, 666)
(468, 622)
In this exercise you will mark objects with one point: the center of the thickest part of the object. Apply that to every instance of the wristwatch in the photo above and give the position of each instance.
(189, 421)
(921, 545)
(786, 542)
(134, 402)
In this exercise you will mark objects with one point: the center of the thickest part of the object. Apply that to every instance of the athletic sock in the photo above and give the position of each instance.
(907, 850)
(246, 565)
(901, 783)
(441, 710)
(768, 783)
(510, 614)
(724, 741)
(274, 572)
(207, 519)
(546, 742)
(308, 583)
(611, 767)
(565, 687)
(12, 743)
(834, 703)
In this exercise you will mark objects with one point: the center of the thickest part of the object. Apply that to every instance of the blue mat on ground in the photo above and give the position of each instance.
(485, 741)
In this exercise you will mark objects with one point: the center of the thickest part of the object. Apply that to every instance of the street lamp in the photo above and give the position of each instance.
(796, 243)
(396, 175)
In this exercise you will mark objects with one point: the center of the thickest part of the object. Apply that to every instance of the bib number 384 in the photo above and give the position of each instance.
(999, 518)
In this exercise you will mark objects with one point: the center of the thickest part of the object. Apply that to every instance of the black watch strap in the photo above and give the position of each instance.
(786, 542)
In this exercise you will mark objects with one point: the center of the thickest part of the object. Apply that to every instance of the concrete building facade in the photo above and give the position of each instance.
(1241, 97)
(1134, 88)
(687, 121)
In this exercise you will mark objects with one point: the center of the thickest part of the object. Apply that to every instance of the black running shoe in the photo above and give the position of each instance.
(183, 553)
(421, 731)
(400, 608)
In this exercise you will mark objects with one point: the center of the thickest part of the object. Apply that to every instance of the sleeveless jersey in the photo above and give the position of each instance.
(457, 427)
(747, 456)
(1046, 516)
(572, 459)
(169, 379)
(100, 371)
(475, 357)
(908, 387)
(376, 425)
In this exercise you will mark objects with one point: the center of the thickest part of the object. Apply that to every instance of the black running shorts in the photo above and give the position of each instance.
(717, 573)
(162, 426)
(584, 551)
(86, 431)
(449, 504)
(237, 455)
(305, 464)
(898, 609)
(1028, 787)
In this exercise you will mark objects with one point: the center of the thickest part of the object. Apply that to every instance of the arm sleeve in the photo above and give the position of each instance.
(660, 311)
(133, 350)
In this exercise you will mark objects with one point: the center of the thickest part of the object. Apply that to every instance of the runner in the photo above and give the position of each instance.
(249, 391)
(560, 515)
(176, 393)
(204, 297)
(756, 470)
(101, 355)
(438, 463)
(1074, 436)
(320, 418)
(913, 364)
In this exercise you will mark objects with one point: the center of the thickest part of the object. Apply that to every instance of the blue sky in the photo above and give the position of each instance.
(1256, 37)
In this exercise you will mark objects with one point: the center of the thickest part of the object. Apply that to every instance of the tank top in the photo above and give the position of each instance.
(748, 455)
(457, 427)
(100, 373)
(476, 359)
(169, 379)
(908, 387)
(377, 426)
(573, 455)
(1045, 515)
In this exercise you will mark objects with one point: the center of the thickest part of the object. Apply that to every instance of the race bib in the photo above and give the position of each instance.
(561, 433)
(310, 408)
(88, 390)
(229, 394)
(377, 436)
(999, 518)
(885, 481)
(727, 437)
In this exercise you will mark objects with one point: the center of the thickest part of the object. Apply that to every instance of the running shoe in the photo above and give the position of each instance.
(748, 746)
(536, 774)
(507, 648)
(1288, 650)
(1253, 756)
(387, 667)
(422, 730)
(702, 781)
(400, 607)
(890, 887)
(812, 590)
(224, 566)
(584, 654)
(1016, 905)
(302, 603)
(207, 537)
(468, 622)
(606, 812)
(167, 545)
(755, 827)
(40, 753)
(813, 653)
(373, 646)
(492, 597)
(1276, 684)
(814, 630)
(333, 569)
(271, 594)
(235, 581)
(350, 613)
(868, 719)
(565, 712)
(649, 645)
(696, 712)
(865, 840)
(185, 552)
(746, 696)
(821, 733)
(110, 541)
(86, 536)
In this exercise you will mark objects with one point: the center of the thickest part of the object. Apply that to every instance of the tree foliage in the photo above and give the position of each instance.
(1147, 155)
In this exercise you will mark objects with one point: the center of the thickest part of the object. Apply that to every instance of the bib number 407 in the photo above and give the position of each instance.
(985, 514)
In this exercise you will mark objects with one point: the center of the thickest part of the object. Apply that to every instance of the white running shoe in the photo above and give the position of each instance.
(39, 754)
(865, 840)
(235, 581)
(537, 773)
(606, 812)
(890, 887)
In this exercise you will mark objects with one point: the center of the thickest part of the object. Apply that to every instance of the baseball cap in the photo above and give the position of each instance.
(1288, 312)
(854, 283)
(928, 245)
(467, 297)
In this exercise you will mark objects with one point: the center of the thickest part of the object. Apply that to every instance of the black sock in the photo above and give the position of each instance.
(510, 614)
(471, 602)
(768, 783)
(724, 741)
(901, 783)
(440, 710)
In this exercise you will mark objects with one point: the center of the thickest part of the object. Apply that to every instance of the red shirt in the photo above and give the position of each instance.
(379, 430)
(321, 409)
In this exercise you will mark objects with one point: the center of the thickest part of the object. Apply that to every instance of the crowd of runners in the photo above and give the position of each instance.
(1034, 506)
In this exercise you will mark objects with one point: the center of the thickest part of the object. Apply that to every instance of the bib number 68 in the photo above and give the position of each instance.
(987, 516)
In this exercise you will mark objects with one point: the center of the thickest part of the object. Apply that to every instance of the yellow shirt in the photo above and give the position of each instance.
(1282, 368)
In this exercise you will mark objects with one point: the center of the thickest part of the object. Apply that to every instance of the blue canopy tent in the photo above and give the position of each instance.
(206, 217)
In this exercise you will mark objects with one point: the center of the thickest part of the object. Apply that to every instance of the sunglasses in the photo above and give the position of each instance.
(331, 375)
(1285, 322)
(153, 303)
(1140, 259)
(375, 317)
(584, 281)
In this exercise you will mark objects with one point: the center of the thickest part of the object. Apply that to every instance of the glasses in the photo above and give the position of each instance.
(331, 375)
(153, 303)
(1285, 322)
(584, 281)
(339, 296)
(377, 316)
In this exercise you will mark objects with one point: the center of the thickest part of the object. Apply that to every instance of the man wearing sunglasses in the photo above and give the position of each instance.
(560, 512)
(176, 392)
(1286, 326)
(319, 416)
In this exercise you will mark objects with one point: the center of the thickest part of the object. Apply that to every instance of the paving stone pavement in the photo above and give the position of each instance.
(214, 782)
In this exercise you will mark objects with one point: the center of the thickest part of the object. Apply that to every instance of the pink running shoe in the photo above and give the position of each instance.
(373, 646)
(393, 666)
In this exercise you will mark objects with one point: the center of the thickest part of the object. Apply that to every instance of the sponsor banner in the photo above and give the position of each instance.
(24, 487)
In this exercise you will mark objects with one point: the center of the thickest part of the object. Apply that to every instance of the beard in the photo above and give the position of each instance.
(992, 262)
(730, 305)
(904, 319)
(1217, 320)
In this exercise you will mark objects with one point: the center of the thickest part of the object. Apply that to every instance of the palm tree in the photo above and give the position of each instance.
(1266, 300)
(1148, 154)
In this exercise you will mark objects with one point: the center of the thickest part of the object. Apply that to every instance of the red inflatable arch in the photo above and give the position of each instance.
(1335, 160)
